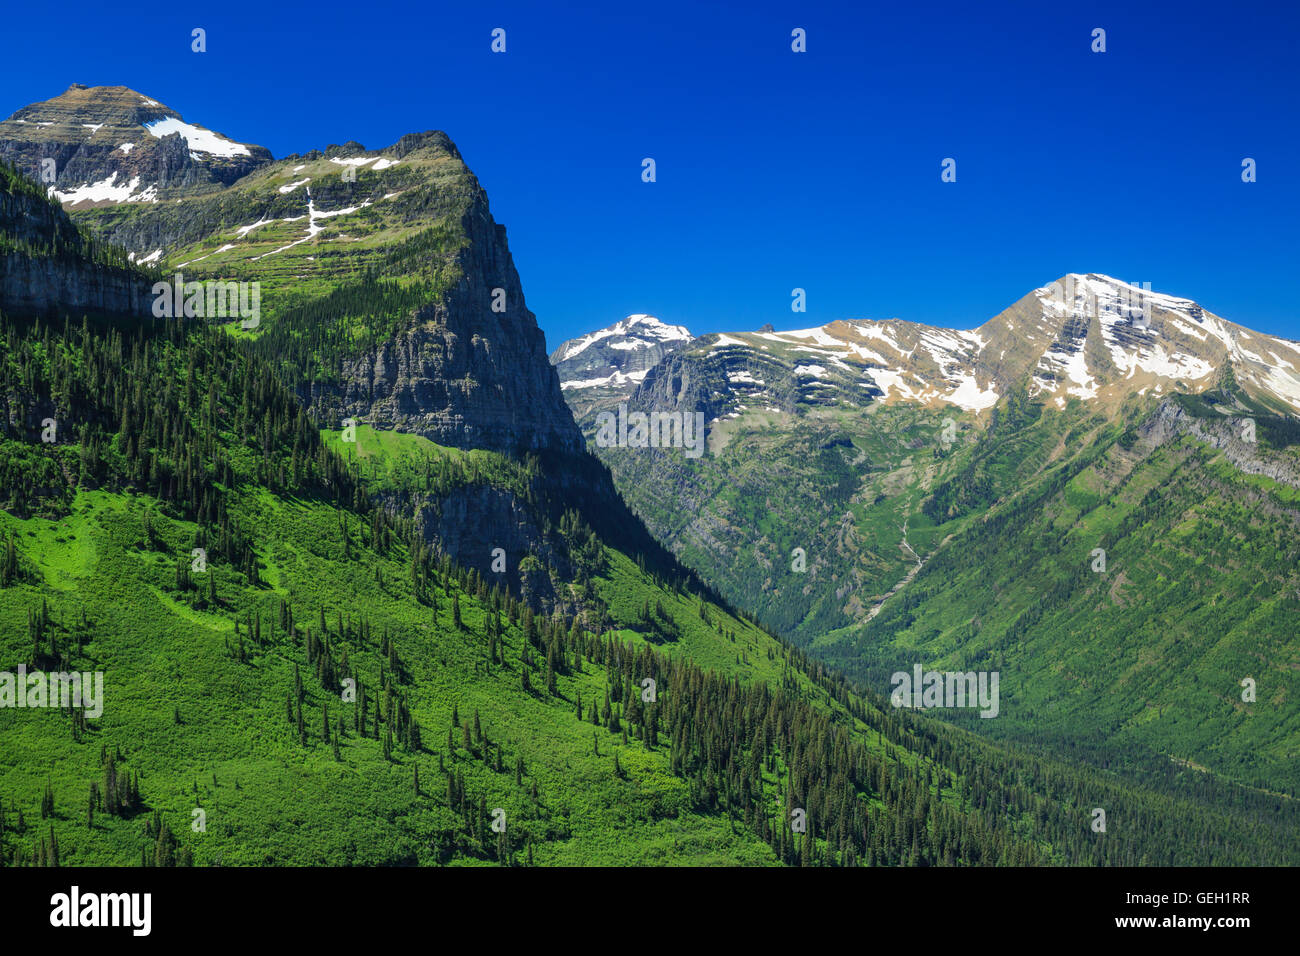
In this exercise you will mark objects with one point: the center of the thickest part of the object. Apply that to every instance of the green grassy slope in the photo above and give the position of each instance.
(327, 688)
(207, 725)
(307, 584)
(397, 214)
(187, 713)
(1144, 660)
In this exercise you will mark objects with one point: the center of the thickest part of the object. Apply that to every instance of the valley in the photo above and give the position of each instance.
(951, 491)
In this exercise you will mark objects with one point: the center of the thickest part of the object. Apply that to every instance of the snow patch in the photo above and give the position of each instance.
(150, 259)
(108, 190)
(969, 396)
(380, 162)
(892, 382)
(200, 140)
(728, 340)
(618, 378)
(816, 371)
(245, 230)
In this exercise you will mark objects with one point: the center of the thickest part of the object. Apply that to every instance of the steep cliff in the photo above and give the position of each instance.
(461, 373)
(48, 267)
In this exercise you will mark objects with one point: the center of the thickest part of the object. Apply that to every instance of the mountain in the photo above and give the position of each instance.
(885, 492)
(1085, 336)
(378, 275)
(110, 144)
(296, 675)
(604, 367)
(313, 651)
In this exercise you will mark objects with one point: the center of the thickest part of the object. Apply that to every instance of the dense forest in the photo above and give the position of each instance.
(298, 675)
(184, 415)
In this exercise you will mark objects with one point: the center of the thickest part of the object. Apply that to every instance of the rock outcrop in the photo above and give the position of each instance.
(1234, 435)
(48, 286)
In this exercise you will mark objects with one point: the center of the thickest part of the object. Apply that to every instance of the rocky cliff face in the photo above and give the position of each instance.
(45, 269)
(110, 144)
(463, 374)
(1234, 435)
(45, 286)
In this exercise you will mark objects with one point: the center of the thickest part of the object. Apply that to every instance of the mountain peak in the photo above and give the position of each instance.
(649, 325)
(109, 103)
(111, 144)
(611, 361)
(1086, 336)
(638, 331)
(1095, 337)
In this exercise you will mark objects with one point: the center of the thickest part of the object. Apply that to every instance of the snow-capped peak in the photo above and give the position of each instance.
(618, 355)
(634, 332)
(642, 324)
(1096, 335)
(125, 147)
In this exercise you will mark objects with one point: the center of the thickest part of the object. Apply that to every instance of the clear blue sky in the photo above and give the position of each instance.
(819, 170)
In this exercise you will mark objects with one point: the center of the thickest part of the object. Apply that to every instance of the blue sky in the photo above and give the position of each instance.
(775, 170)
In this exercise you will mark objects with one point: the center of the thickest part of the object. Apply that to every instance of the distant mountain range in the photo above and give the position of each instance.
(945, 492)
(1085, 336)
